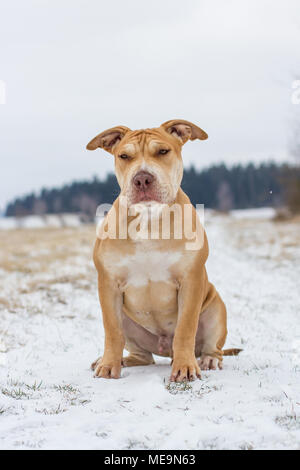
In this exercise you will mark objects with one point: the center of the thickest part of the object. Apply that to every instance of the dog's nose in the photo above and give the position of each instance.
(143, 180)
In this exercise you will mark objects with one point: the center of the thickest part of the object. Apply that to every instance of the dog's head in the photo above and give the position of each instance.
(148, 162)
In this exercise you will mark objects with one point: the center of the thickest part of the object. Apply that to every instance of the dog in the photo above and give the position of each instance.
(154, 293)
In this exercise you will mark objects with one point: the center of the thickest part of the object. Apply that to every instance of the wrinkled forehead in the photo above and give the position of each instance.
(150, 139)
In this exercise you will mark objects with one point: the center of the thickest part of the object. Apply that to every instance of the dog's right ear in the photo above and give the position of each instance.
(107, 140)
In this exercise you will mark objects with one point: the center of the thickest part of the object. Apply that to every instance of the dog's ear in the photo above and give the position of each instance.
(108, 139)
(184, 130)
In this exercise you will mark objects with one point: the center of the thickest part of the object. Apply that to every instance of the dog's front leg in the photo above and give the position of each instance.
(190, 299)
(111, 300)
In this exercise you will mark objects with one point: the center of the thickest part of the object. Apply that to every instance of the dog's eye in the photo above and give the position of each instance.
(124, 156)
(163, 151)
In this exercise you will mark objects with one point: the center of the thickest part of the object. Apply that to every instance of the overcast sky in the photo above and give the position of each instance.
(74, 68)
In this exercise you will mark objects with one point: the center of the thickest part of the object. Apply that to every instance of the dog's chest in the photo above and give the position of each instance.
(144, 267)
(149, 288)
(148, 278)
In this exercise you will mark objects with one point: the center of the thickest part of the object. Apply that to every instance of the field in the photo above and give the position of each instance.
(51, 330)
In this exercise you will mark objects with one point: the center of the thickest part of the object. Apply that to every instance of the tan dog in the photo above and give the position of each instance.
(154, 293)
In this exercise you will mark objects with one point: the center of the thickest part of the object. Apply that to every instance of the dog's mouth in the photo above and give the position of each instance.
(145, 196)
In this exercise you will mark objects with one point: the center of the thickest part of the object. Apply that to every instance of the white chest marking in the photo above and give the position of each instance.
(145, 266)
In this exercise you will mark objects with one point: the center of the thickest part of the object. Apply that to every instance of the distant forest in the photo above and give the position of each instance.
(218, 187)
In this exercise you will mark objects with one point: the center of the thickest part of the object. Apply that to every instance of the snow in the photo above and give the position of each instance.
(7, 223)
(51, 331)
(40, 221)
(257, 213)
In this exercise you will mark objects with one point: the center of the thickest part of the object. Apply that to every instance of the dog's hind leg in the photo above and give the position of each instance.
(139, 342)
(137, 357)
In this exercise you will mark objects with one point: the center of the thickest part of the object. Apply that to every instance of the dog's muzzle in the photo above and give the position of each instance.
(144, 187)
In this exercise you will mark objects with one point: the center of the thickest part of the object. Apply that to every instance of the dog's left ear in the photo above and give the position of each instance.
(184, 130)
(108, 139)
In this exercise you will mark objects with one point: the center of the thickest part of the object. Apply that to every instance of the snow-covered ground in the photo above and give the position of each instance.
(40, 221)
(50, 331)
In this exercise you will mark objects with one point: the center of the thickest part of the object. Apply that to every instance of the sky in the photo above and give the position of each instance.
(75, 68)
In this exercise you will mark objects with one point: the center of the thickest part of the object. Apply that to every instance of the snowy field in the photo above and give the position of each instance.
(50, 332)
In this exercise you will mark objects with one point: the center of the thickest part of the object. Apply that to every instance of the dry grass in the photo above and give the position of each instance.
(31, 251)
(39, 259)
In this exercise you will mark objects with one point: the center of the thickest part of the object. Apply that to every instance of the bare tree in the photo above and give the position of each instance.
(224, 197)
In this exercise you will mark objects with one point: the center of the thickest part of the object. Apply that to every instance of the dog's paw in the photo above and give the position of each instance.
(95, 363)
(105, 370)
(185, 370)
(209, 363)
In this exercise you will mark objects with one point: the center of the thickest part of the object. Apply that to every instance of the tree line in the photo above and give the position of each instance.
(219, 187)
